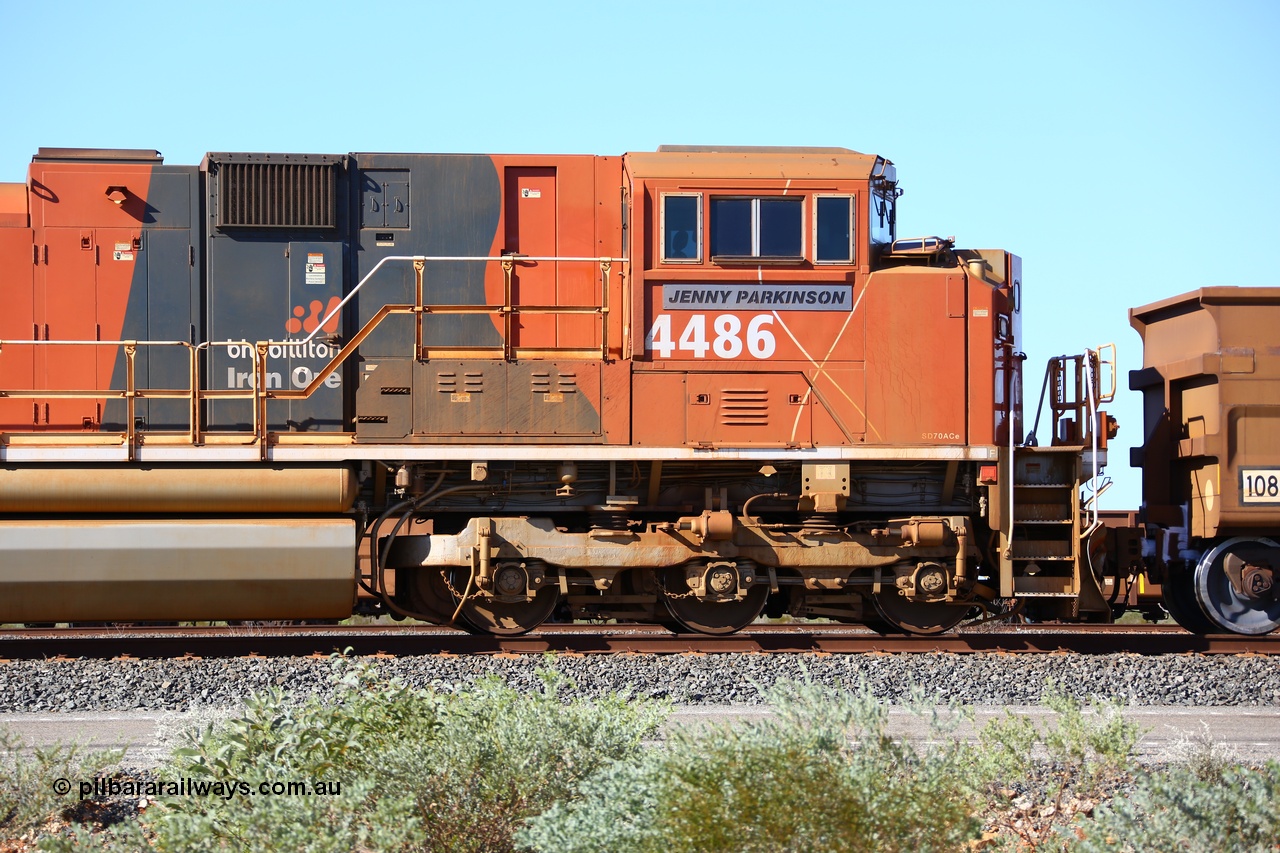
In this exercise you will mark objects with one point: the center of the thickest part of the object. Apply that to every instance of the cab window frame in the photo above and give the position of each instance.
(667, 240)
(757, 228)
(851, 199)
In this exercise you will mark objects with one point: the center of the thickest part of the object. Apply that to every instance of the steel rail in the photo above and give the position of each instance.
(283, 641)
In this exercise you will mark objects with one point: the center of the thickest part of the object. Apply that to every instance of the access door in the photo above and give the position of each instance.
(17, 323)
(530, 213)
(66, 310)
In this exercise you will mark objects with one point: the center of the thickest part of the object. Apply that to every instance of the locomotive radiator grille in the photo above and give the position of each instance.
(277, 195)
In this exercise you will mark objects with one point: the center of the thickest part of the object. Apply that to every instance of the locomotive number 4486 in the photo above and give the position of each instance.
(725, 339)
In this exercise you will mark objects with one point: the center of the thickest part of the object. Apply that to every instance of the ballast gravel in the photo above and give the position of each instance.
(715, 679)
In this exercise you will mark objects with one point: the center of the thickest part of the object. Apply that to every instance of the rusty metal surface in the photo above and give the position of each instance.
(752, 163)
(614, 639)
(1211, 386)
(519, 401)
(516, 538)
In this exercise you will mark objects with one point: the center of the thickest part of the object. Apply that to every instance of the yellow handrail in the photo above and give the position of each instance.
(259, 393)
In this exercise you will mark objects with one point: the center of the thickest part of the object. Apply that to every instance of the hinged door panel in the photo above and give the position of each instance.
(531, 230)
(17, 323)
(749, 409)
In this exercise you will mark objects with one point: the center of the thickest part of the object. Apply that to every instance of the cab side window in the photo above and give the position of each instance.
(833, 230)
(681, 228)
(757, 228)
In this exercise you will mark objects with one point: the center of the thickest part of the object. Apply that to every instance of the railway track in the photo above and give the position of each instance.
(282, 641)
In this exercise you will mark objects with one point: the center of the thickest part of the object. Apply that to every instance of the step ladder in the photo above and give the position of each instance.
(1051, 539)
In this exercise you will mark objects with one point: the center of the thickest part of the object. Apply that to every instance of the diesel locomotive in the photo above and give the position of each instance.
(690, 386)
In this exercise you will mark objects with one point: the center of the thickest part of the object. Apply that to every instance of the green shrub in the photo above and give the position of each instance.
(416, 770)
(494, 770)
(821, 775)
(27, 797)
(1087, 754)
(502, 757)
(1232, 810)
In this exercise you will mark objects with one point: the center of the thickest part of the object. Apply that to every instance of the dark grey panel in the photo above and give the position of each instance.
(259, 288)
(173, 298)
(384, 199)
(384, 400)
(164, 300)
(171, 196)
(547, 398)
(259, 291)
(504, 400)
(316, 289)
(460, 398)
(136, 328)
(454, 206)
(247, 301)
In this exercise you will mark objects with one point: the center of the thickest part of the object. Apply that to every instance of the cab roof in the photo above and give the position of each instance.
(734, 162)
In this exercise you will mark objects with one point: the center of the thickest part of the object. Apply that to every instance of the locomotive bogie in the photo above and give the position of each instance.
(710, 570)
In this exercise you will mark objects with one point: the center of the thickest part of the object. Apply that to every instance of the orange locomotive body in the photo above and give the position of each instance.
(688, 386)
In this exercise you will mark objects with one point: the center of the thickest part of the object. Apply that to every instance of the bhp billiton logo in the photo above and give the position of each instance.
(319, 311)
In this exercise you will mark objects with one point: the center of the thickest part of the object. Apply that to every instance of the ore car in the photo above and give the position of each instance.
(688, 386)
(1210, 460)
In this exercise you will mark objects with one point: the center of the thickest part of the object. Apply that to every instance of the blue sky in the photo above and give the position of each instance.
(1126, 150)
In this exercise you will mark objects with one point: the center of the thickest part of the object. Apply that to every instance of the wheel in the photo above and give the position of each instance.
(1219, 593)
(425, 594)
(507, 618)
(1178, 592)
(917, 617)
(709, 616)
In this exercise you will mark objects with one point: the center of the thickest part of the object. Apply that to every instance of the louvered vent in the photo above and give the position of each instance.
(277, 195)
(472, 382)
(744, 407)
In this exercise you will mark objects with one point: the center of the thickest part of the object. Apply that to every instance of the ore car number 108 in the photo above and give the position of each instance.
(726, 336)
(1259, 485)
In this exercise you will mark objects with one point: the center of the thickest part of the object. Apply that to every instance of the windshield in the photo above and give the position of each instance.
(882, 219)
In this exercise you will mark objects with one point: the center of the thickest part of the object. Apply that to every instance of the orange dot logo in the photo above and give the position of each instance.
(295, 322)
(319, 311)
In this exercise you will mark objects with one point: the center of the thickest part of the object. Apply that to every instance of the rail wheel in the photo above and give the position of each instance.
(1235, 587)
(708, 615)
(426, 594)
(503, 615)
(1178, 594)
(917, 617)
